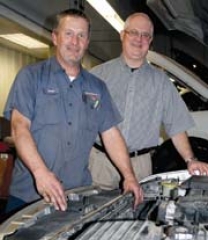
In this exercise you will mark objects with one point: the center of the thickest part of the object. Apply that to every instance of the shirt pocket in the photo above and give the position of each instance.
(89, 126)
(48, 107)
(92, 106)
(92, 118)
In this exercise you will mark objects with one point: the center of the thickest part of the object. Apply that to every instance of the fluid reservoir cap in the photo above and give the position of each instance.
(168, 187)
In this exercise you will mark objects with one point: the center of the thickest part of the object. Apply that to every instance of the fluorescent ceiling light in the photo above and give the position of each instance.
(105, 9)
(24, 40)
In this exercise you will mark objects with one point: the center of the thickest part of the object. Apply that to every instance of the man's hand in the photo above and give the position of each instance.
(117, 150)
(197, 167)
(47, 184)
(131, 185)
(51, 189)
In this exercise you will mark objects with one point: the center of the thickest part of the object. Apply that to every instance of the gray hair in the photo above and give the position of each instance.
(142, 15)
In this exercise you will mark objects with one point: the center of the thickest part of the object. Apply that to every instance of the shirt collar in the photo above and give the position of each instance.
(56, 68)
(125, 66)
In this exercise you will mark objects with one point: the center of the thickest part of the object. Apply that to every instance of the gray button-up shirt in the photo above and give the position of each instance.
(65, 120)
(146, 99)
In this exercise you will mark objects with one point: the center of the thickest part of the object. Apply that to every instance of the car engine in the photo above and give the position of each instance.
(175, 207)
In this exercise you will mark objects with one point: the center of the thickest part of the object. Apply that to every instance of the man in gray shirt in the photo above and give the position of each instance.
(146, 99)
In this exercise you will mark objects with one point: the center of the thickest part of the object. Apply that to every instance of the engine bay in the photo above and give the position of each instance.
(175, 207)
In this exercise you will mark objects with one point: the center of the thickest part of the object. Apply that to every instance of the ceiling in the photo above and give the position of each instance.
(33, 18)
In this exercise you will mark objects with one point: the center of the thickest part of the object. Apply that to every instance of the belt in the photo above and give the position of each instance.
(131, 154)
(141, 151)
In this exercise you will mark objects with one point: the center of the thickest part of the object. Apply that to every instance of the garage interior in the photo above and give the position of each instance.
(180, 27)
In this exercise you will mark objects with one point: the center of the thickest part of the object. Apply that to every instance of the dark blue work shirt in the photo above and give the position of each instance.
(66, 118)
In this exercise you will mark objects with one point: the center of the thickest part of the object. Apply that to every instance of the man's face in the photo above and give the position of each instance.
(136, 38)
(71, 39)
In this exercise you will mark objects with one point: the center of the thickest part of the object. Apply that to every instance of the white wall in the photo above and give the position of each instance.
(10, 63)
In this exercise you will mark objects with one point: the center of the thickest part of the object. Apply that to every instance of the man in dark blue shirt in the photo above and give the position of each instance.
(56, 110)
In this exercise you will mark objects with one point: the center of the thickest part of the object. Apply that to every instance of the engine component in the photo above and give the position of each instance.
(175, 207)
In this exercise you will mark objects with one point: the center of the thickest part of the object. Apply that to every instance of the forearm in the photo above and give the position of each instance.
(25, 144)
(47, 184)
(182, 145)
(117, 150)
(27, 150)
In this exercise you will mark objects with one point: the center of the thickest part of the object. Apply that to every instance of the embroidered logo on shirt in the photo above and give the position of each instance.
(93, 99)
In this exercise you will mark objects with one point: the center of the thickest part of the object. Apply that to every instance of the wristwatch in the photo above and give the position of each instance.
(190, 159)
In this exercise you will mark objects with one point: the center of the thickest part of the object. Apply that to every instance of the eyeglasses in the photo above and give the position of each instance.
(134, 33)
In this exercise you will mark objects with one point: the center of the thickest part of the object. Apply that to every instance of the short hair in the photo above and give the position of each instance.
(70, 12)
(144, 15)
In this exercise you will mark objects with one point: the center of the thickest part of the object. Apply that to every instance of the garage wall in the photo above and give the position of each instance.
(10, 63)
(89, 61)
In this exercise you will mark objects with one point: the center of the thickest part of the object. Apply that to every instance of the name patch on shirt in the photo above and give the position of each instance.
(51, 91)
